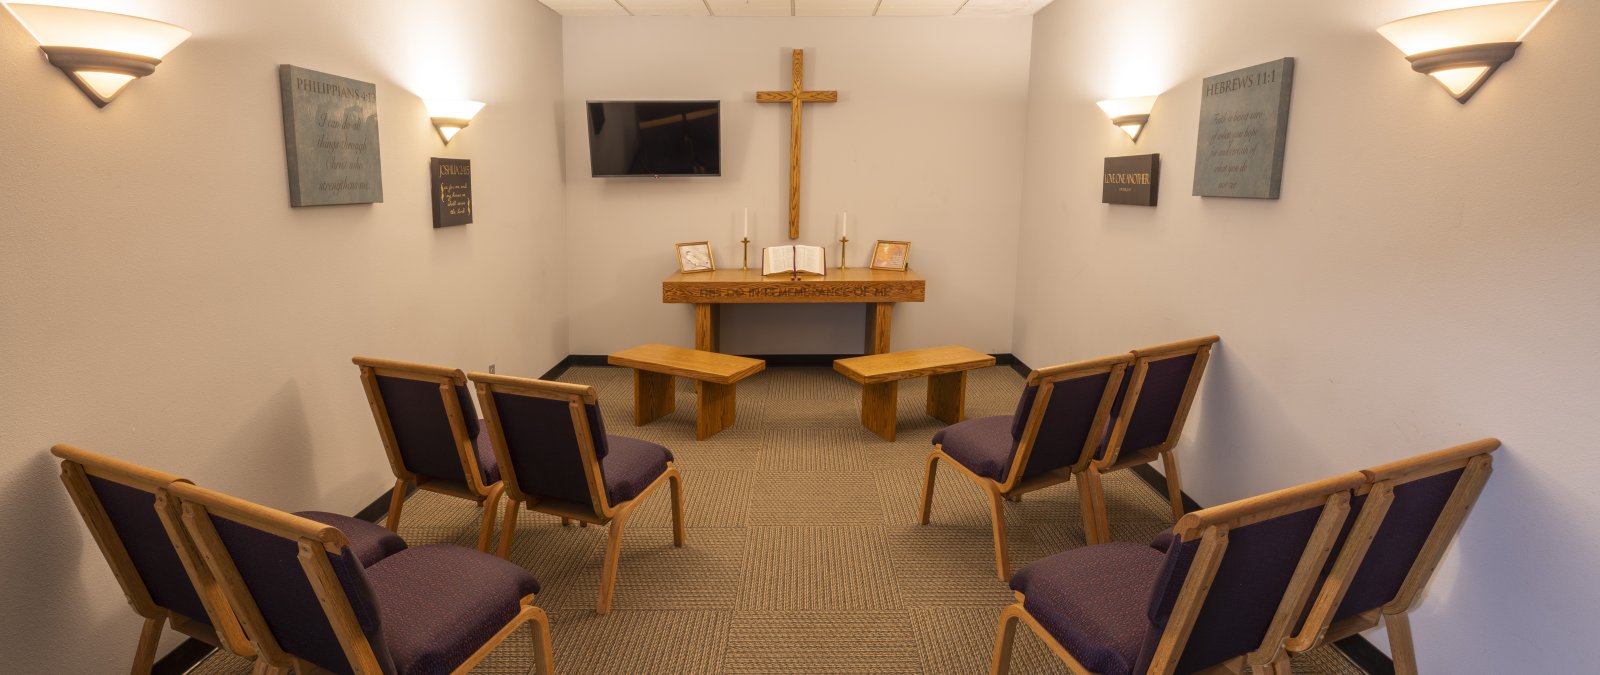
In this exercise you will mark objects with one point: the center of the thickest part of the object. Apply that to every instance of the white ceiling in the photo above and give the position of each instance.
(796, 7)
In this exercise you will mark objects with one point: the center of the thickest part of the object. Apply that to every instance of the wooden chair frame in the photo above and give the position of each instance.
(225, 631)
(1211, 527)
(1475, 462)
(1113, 459)
(1091, 496)
(486, 496)
(315, 541)
(599, 510)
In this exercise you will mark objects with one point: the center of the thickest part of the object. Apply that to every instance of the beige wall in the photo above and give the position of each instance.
(925, 144)
(1427, 278)
(164, 304)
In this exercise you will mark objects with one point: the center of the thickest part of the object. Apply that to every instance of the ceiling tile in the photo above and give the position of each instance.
(750, 7)
(919, 7)
(665, 7)
(586, 7)
(834, 7)
(1003, 7)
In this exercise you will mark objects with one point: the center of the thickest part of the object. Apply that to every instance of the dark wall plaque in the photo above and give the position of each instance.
(330, 133)
(1244, 124)
(452, 191)
(1135, 180)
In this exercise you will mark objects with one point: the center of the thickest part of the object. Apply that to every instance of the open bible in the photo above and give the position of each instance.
(796, 259)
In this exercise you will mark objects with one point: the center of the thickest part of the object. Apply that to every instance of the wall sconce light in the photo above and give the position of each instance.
(101, 52)
(1462, 47)
(450, 117)
(1129, 114)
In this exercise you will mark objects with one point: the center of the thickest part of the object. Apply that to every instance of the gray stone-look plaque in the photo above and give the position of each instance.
(1244, 124)
(330, 133)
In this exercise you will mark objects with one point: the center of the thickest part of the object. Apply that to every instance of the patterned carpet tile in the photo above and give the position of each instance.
(791, 569)
(961, 640)
(778, 499)
(822, 642)
(711, 498)
(653, 574)
(639, 641)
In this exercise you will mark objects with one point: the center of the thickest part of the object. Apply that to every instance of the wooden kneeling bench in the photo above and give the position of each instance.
(880, 374)
(715, 376)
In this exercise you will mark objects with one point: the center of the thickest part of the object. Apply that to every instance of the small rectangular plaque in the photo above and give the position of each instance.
(452, 191)
(1133, 180)
(1244, 124)
(330, 134)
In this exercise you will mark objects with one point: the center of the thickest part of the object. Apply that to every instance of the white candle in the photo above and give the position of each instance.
(844, 226)
(746, 222)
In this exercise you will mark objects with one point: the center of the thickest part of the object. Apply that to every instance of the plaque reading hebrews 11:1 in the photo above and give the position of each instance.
(1244, 123)
(1132, 180)
(452, 191)
(330, 133)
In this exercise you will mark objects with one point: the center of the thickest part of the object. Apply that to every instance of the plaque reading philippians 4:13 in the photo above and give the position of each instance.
(452, 191)
(1244, 124)
(330, 134)
(1133, 180)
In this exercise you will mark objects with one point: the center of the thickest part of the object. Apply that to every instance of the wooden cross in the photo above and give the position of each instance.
(795, 97)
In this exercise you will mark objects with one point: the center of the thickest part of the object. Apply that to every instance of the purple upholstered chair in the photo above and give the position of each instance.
(136, 525)
(1226, 593)
(1052, 436)
(559, 460)
(431, 434)
(307, 603)
(1400, 524)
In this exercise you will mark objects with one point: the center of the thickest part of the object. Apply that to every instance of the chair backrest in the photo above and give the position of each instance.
(1238, 575)
(549, 438)
(426, 419)
(294, 583)
(1062, 415)
(1154, 402)
(139, 533)
(1400, 524)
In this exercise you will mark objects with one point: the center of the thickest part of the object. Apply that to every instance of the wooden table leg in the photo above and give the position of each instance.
(707, 326)
(652, 396)
(878, 318)
(716, 405)
(947, 396)
(878, 408)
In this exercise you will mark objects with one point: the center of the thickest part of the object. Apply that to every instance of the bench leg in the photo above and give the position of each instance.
(652, 397)
(717, 405)
(947, 396)
(878, 408)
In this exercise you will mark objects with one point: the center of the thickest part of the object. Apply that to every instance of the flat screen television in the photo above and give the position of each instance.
(655, 138)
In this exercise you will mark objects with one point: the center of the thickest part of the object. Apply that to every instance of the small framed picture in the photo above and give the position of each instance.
(891, 255)
(695, 256)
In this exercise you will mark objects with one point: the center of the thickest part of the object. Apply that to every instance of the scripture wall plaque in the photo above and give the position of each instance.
(330, 133)
(1133, 180)
(452, 191)
(1244, 123)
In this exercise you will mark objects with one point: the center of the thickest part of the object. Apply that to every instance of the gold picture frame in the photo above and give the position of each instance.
(695, 256)
(891, 255)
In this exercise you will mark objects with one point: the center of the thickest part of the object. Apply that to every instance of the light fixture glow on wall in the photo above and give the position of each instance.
(101, 52)
(450, 117)
(1462, 47)
(1129, 114)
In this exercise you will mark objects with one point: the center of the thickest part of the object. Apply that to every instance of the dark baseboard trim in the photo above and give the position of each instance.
(1363, 654)
(1016, 364)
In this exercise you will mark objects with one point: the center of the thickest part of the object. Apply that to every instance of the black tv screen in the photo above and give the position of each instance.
(655, 138)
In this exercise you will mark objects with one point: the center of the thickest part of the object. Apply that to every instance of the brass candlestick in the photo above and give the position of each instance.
(746, 242)
(842, 242)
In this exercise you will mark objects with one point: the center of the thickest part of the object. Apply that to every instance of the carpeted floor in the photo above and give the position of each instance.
(803, 551)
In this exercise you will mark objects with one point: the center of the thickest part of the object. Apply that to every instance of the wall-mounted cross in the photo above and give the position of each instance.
(795, 97)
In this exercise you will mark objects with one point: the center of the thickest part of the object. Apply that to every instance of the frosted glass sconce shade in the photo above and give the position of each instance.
(1129, 114)
(450, 117)
(1461, 48)
(100, 51)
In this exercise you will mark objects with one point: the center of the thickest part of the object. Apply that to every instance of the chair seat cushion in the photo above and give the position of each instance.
(1163, 541)
(984, 445)
(370, 542)
(1093, 601)
(488, 466)
(440, 603)
(631, 466)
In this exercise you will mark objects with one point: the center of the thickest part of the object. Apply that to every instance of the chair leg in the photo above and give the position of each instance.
(396, 500)
(1169, 462)
(1401, 648)
(508, 528)
(676, 486)
(1091, 502)
(1005, 635)
(566, 522)
(144, 656)
(608, 571)
(491, 506)
(544, 653)
(997, 515)
(927, 489)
